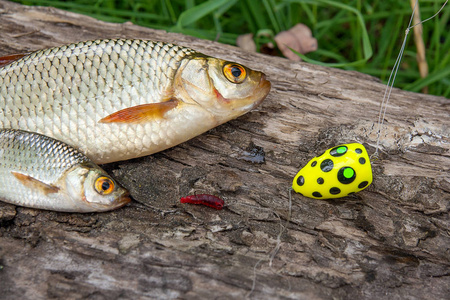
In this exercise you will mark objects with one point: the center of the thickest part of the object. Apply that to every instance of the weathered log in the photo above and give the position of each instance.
(390, 241)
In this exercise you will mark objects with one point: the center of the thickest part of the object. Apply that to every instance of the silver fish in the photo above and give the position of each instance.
(40, 172)
(120, 99)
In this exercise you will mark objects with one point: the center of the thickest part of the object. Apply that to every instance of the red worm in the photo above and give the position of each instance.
(204, 199)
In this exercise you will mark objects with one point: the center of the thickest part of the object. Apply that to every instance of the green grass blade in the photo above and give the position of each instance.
(271, 14)
(195, 13)
(433, 77)
(446, 94)
(224, 8)
(342, 28)
(367, 47)
(168, 6)
(257, 13)
(246, 14)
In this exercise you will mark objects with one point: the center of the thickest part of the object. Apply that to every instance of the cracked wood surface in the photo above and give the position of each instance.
(390, 241)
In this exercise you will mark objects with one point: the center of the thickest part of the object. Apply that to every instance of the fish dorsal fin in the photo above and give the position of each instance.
(141, 113)
(35, 184)
(5, 60)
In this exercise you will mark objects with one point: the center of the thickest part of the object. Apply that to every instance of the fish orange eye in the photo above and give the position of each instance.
(235, 73)
(104, 185)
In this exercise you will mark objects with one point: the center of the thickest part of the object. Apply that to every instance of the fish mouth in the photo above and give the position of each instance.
(262, 90)
(122, 200)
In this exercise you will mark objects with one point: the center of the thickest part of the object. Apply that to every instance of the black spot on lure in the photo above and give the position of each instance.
(338, 172)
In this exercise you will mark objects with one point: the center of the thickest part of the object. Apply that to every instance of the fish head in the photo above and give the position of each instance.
(225, 89)
(92, 189)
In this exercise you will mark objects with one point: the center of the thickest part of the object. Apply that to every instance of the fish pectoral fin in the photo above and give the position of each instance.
(35, 184)
(4, 60)
(141, 113)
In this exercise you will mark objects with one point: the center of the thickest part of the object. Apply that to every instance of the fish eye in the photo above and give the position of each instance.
(104, 185)
(235, 73)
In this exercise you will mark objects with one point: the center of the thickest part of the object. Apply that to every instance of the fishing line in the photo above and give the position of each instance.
(277, 247)
(282, 229)
(390, 83)
(330, 158)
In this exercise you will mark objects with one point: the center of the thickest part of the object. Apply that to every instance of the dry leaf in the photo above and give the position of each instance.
(298, 38)
(246, 42)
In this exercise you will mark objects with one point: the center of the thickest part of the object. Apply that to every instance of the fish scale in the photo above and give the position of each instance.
(65, 93)
(69, 75)
(41, 172)
(19, 151)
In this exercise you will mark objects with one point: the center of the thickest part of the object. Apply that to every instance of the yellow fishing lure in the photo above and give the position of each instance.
(338, 172)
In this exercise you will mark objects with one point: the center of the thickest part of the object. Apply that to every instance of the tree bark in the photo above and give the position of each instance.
(390, 241)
